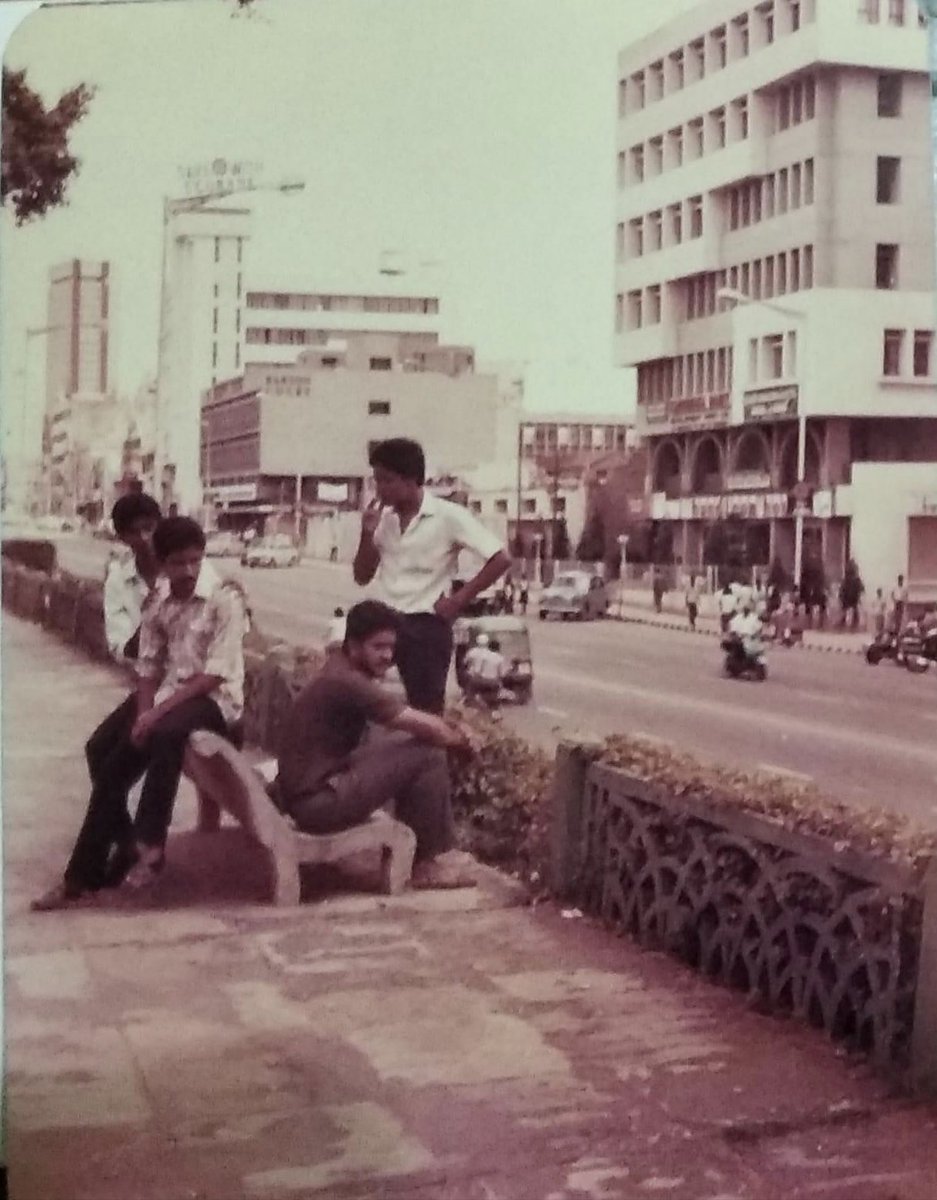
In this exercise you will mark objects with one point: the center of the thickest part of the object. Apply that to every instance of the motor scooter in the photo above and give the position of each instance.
(743, 660)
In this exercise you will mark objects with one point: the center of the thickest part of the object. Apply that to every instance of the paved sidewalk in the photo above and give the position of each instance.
(428, 1047)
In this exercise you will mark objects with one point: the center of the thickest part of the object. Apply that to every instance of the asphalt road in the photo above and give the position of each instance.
(867, 735)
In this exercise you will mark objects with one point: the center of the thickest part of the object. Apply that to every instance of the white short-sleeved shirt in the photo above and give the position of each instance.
(419, 565)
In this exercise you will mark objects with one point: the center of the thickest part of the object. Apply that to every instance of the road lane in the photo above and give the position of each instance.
(863, 734)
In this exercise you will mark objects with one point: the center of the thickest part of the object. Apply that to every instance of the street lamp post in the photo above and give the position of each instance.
(733, 296)
(171, 209)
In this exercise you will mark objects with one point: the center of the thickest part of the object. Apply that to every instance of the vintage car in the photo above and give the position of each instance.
(512, 636)
(574, 594)
(275, 551)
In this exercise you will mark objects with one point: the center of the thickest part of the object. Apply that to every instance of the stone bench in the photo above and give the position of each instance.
(226, 781)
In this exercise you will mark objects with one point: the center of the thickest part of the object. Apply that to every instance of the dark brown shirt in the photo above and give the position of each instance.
(325, 724)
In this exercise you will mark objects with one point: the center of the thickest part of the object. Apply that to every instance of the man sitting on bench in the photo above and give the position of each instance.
(336, 768)
(191, 676)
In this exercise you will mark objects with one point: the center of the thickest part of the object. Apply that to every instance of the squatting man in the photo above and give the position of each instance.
(349, 747)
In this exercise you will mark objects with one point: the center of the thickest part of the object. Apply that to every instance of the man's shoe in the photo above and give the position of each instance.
(450, 870)
(60, 896)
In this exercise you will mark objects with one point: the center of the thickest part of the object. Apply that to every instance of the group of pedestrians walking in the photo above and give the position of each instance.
(348, 746)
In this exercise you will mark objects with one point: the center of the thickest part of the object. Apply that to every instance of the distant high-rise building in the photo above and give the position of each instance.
(77, 341)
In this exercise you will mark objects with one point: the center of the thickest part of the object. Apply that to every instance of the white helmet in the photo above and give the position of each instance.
(482, 639)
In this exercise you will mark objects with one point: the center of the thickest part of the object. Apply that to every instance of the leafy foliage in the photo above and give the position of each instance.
(36, 161)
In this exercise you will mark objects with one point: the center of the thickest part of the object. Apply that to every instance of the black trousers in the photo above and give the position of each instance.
(116, 765)
(424, 651)
(387, 766)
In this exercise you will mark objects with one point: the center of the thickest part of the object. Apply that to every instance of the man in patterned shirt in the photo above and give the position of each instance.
(191, 676)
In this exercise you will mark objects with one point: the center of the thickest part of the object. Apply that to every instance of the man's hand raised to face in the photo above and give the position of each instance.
(371, 517)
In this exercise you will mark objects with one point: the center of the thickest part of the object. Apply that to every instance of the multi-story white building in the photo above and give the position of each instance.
(220, 317)
(283, 319)
(292, 440)
(200, 335)
(775, 281)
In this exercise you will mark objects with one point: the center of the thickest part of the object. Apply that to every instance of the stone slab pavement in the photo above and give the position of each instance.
(449, 1046)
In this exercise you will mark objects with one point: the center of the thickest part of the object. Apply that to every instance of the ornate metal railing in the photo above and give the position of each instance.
(808, 929)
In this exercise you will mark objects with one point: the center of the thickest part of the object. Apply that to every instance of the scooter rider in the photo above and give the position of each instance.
(747, 627)
(485, 669)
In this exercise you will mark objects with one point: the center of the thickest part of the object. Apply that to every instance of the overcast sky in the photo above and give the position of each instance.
(476, 132)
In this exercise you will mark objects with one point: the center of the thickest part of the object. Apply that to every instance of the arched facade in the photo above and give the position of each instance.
(666, 466)
(707, 467)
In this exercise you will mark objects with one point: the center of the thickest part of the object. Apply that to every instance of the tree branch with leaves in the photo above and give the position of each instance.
(37, 163)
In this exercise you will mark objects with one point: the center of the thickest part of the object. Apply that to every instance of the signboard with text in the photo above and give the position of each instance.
(687, 412)
(771, 404)
(221, 175)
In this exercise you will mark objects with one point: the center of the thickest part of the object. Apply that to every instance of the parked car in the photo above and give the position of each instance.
(575, 594)
(275, 551)
(221, 544)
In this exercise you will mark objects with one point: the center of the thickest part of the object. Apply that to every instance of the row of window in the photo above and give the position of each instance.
(773, 195)
(921, 342)
(895, 12)
(660, 229)
(321, 303)
(795, 103)
(762, 279)
(573, 437)
(528, 507)
(712, 52)
(705, 373)
(684, 143)
(772, 357)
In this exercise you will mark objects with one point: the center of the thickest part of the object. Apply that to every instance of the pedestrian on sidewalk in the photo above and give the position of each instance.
(191, 676)
(879, 612)
(331, 777)
(130, 581)
(899, 604)
(850, 593)
(727, 604)
(410, 540)
(657, 587)
(692, 601)
(524, 597)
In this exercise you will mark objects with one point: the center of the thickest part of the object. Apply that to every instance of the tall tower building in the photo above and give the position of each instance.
(775, 285)
(77, 330)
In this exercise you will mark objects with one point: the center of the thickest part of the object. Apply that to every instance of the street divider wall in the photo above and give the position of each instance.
(817, 911)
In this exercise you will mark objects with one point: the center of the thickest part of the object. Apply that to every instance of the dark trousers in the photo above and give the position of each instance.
(388, 766)
(116, 765)
(424, 651)
(691, 611)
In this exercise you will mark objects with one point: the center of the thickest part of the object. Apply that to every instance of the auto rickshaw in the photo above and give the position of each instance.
(514, 639)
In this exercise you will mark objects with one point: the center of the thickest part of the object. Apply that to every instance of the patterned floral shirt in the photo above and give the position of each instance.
(203, 635)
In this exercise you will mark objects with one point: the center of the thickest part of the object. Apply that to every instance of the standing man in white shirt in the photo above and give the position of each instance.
(410, 540)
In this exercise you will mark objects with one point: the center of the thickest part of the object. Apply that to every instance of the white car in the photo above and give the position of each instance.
(276, 551)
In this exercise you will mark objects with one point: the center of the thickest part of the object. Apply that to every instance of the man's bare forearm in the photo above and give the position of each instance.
(367, 560)
(427, 727)
(490, 573)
